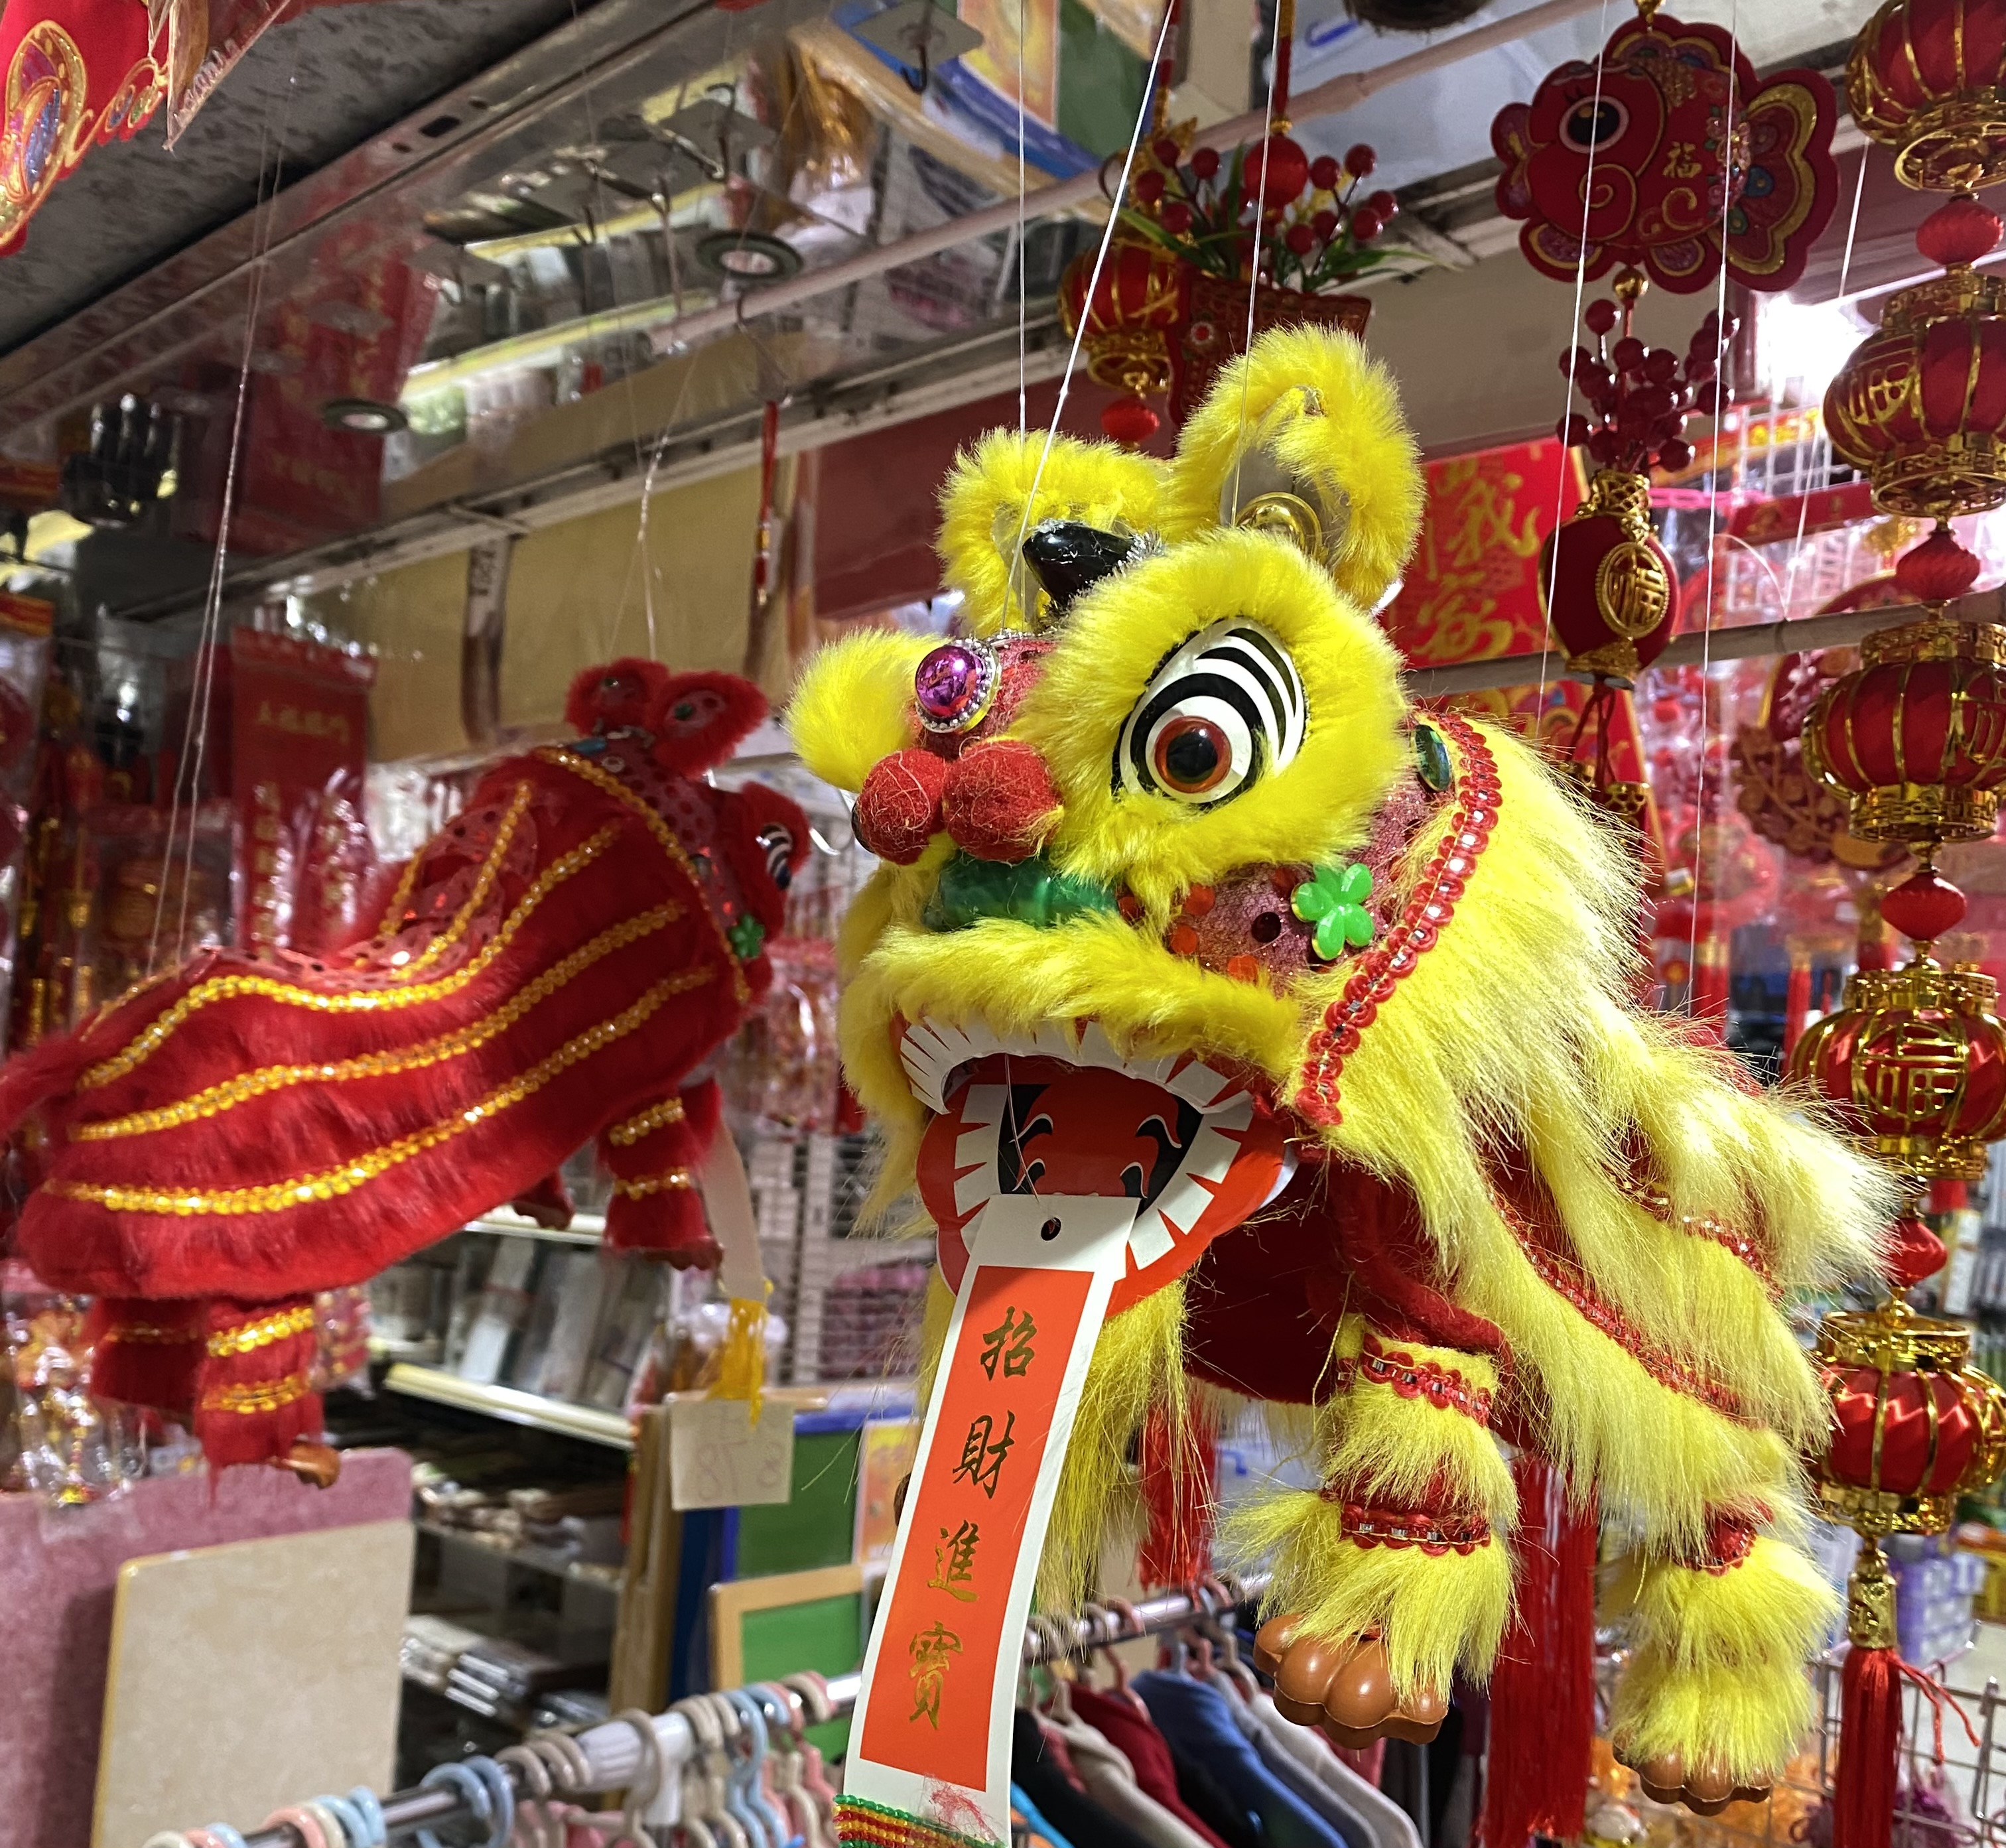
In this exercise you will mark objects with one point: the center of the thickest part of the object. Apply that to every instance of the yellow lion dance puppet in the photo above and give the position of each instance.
(1164, 810)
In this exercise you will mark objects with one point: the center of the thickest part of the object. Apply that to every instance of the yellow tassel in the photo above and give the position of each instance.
(741, 1362)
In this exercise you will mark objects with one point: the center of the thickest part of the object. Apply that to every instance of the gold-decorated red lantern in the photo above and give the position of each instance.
(1914, 738)
(1611, 605)
(1915, 1062)
(1913, 1426)
(1136, 305)
(1926, 78)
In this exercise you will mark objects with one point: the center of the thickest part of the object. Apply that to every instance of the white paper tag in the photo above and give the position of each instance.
(719, 1458)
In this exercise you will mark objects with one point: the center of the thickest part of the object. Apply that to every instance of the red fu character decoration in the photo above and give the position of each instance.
(555, 966)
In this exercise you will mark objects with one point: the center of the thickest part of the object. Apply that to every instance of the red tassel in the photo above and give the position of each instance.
(1870, 1740)
(1180, 1488)
(1542, 1689)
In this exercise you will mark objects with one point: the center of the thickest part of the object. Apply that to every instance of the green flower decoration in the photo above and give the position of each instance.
(1334, 901)
(746, 937)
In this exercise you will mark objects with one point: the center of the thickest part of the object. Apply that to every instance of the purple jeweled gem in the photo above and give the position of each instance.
(952, 685)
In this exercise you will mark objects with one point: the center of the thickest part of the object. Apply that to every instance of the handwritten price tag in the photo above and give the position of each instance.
(718, 1457)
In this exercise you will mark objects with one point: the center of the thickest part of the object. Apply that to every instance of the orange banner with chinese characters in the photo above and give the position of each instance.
(945, 1632)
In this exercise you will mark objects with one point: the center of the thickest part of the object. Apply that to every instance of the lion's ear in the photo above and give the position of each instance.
(853, 704)
(982, 515)
(1304, 437)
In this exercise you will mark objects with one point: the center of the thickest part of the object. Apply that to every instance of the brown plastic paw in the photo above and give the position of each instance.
(1346, 1689)
(1706, 1790)
(316, 1464)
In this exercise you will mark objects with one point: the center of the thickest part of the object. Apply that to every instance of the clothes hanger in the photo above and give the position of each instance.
(783, 1708)
(709, 1718)
(1130, 1619)
(751, 1783)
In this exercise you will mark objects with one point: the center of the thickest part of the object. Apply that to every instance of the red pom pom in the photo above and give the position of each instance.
(898, 808)
(1275, 171)
(999, 800)
(1674, 456)
(1628, 353)
(620, 693)
(1129, 421)
(1937, 570)
(1301, 239)
(1165, 150)
(1204, 163)
(1600, 315)
(1324, 172)
(1360, 160)
(1661, 365)
(1574, 429)
(1325, 225)
(1365, 224)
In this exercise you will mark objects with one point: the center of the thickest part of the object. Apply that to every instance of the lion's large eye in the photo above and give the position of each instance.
(1224, 706)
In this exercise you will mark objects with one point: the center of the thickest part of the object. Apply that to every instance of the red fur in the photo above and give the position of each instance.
(375, 1210)
(998, 801)
(898, 808)
(699, 719)
(622, 693)
(669, 1223)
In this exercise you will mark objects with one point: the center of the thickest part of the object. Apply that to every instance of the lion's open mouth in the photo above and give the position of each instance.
(1063, 1113)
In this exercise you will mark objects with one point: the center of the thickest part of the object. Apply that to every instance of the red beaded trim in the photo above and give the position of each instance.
(862, 1824)
(1378, 970)
(1566, 1280)
(1371, 1525)
(1658, 1204)
(1441, 1386)
(1730, 1540)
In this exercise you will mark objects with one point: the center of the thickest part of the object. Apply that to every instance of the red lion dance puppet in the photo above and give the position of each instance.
(555, 965)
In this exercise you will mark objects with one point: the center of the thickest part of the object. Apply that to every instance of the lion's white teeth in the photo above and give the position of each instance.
(933, 1050)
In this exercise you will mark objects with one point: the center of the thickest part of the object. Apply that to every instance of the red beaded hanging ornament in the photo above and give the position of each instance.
(1199, 234)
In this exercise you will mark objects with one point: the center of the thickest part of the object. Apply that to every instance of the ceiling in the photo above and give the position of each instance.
(465, 229)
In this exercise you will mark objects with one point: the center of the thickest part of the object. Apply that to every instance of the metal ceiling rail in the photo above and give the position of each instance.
(1345, 91)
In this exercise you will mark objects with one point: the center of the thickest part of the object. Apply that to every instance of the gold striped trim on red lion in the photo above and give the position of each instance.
(483, 883)
(245, 1397)
(247, 1337)
(217, 1098)
(225, 988)
(150, 1334)
(301, 1190)
(664, 838)
(645, 1123)
(669, 1181)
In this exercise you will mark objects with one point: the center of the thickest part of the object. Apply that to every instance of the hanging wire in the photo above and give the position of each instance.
(1024, 298)
(1092, 289)
(1283, 8)
(1712, 506)
(1567, 406)
(1825, 435)
(194, 738)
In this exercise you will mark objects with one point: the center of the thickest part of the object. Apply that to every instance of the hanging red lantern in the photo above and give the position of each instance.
(1926, 78)
(1137, 300)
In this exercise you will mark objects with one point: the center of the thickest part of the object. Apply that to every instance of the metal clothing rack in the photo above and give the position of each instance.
(614, 1753)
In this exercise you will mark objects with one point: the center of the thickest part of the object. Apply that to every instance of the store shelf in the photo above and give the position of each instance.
(587, 1422)
(540, 1559)
(585, 1228)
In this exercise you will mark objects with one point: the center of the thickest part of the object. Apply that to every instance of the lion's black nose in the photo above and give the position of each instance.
(1070, 556)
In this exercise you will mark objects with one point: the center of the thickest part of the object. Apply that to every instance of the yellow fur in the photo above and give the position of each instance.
(1329, 415)
(1748, 1720)
(1438, 1614)
(1398, 1450)
(852, 706)
(1515, 1039)
(1774, 1607)
(982, 512)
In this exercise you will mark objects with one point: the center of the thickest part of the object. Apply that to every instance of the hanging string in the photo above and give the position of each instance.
(1024, 298)
(1712, 504)
(1278, 87)
(1092, 289)
(194, 738)
(1567, 405)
